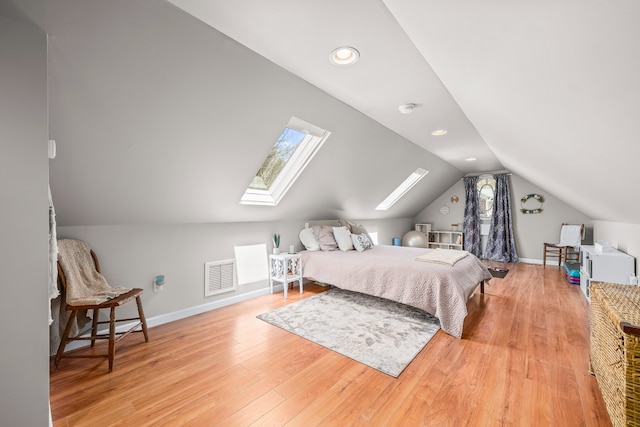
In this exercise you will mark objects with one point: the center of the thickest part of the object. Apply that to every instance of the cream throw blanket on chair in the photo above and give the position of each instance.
(85, 285)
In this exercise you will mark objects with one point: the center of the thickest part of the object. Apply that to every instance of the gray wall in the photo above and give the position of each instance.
(531, 230)
(132, 255)
(168, 122)
(160, 127)
(622, 236)
(145, 118)
(24, 371)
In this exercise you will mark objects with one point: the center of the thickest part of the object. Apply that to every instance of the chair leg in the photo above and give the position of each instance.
(94, 325)
(64, 339)
(112, 337)
(143, 321)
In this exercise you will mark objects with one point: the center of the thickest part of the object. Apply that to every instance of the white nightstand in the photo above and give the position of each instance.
(285, 268)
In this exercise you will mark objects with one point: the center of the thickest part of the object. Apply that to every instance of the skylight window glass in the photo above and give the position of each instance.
(402, 189)
(280, 154)
(293, 150)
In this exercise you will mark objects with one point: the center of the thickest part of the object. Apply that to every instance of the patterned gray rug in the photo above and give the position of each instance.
(380, 333)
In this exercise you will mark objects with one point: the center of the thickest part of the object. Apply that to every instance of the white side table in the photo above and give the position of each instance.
(285, 268)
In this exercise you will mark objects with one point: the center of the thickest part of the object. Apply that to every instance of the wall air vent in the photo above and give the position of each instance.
(219, 277)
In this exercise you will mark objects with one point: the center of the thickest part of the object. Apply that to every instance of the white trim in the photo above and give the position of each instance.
(402, 189)
(534, 261)
(537, 261)
(181, 314)
(203, 308)
(303, 154)
(253, 196)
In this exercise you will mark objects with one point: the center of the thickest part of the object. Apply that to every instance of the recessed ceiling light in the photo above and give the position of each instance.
(470, 159)
(439, 132)
(344, 55)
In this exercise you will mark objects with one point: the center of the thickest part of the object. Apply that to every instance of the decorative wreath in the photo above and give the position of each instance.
(524, 200)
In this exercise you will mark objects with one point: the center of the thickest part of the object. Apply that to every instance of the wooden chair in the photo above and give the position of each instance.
(571, 235)
(112, 336)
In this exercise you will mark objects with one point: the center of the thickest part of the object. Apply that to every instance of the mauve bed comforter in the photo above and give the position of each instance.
(392, 272)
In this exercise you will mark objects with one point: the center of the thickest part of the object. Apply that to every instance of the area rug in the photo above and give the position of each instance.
(380, 333)
(500, 273)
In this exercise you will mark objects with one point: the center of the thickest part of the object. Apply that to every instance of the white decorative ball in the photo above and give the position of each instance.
(415, 239)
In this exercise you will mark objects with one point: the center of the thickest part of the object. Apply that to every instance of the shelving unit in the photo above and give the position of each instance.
(423, 228)
(445, 239)
(609, 265)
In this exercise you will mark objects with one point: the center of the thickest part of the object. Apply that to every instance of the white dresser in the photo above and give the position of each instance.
(609, 265)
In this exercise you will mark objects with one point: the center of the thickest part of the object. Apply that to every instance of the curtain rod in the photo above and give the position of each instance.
(499, 172)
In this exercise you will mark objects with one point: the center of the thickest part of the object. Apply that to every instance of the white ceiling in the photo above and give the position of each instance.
(548, 90)
(300, 35)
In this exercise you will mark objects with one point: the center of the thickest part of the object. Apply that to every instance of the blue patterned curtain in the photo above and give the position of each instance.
(501, 245)
(471, 216)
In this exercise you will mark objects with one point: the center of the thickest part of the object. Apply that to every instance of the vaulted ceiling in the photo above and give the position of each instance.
(163, 110)
(548, 90)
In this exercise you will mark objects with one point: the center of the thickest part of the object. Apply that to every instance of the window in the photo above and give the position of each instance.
(293, 150)
(402, 189)
(486, 192)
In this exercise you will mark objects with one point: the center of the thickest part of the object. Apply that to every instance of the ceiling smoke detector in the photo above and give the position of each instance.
(406, 108)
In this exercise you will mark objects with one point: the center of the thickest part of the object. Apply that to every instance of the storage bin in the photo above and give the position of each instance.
(615, 349)
(601, 246)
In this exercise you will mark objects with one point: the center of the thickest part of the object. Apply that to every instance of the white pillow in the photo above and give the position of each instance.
(355, 228)
(308, 239)
(343, 237)
(361, 242)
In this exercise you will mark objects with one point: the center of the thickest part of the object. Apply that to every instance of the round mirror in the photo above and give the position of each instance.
(444, 209)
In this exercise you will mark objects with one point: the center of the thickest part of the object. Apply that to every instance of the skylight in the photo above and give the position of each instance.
(402, 189)
(293, 150)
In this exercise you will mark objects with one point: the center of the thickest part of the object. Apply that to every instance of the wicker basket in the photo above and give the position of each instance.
(615, 349)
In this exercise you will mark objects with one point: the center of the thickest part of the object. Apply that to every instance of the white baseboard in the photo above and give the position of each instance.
(531, 261)
(537, 261)
(181, 314)
(192, 311)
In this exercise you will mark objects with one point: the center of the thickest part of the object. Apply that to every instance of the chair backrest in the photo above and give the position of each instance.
(571, 234)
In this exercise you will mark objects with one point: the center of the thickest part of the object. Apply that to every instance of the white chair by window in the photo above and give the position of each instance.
(571, 236)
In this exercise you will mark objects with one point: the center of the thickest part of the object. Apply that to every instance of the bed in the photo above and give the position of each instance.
(392, 272)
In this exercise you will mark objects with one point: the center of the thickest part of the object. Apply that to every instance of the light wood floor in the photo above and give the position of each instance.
(523, 360)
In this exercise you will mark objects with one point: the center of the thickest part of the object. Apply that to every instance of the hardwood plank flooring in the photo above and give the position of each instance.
(523, 360)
